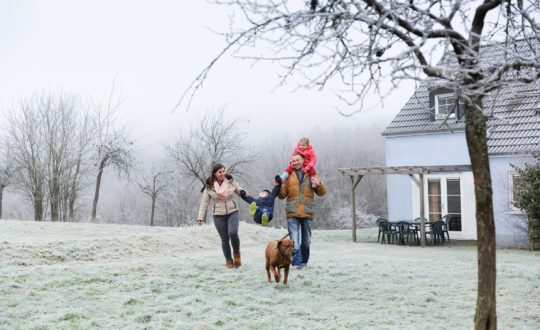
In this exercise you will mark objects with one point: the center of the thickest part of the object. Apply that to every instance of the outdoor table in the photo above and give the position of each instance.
(417, 224)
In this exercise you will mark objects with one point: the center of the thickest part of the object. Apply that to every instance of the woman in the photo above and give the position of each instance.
(219, 188)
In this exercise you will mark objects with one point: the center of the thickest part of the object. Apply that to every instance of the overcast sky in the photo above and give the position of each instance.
(153, 50)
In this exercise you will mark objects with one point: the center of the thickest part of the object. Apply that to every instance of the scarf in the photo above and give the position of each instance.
(223, 190)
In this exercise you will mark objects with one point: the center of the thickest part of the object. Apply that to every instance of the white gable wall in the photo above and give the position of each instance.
(451, 149)
(423, 150)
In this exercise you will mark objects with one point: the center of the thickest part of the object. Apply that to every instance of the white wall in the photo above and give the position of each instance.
(451, 149)
(507, 218)
(429, 149)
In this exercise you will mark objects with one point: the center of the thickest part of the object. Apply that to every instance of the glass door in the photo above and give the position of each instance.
(444, 198)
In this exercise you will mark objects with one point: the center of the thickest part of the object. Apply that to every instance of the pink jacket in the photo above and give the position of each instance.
(310, 158)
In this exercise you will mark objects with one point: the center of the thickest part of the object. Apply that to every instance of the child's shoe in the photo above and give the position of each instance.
(264, 220)
(252, 208)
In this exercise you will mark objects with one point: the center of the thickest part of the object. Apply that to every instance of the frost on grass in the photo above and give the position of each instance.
(65, 275)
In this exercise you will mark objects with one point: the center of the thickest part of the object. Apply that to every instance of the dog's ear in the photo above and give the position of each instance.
(279, 244)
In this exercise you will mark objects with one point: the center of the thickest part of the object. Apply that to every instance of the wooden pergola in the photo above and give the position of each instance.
(357, 173)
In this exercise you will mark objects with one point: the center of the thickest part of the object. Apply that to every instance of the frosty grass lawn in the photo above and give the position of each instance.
(68, 275)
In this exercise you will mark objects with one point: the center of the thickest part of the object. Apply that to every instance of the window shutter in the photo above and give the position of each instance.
(432, 104)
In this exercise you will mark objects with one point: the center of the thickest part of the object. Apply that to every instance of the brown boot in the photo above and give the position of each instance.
(229, 264)
(237, 260)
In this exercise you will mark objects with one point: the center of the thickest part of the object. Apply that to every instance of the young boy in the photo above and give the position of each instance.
(262, 208)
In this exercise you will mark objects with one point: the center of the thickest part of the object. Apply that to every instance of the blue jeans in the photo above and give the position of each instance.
(258, 214)
(300, 233)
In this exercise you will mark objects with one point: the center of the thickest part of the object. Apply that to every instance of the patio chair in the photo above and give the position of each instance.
(405, 229)
(435, 232)
(378, 222)
(446, 220)
(387, 230)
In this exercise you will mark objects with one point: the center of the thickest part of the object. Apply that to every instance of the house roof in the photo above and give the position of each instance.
(513, 114)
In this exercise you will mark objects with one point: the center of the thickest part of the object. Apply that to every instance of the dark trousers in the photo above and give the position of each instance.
(227, 227)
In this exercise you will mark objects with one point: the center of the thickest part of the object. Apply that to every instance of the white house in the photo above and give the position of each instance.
(429, 130)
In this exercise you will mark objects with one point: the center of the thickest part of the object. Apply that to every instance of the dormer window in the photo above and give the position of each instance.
(445, 106)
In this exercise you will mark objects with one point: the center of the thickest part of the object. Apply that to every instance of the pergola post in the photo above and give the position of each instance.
(422, 211)
(354, 183)
(356, 174)
(420, 183)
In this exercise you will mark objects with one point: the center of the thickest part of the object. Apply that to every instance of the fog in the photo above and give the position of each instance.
(146, 54)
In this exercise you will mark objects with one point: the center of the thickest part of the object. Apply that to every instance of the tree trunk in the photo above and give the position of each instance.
(73, 192)
(55, 199)
(38, 208)
(98, 184)
(1, 199)
(486, 317)
(152, 213)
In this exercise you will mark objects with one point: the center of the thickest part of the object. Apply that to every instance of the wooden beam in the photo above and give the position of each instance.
(354, 183)
(383, 170)
(415, 180)
(422, 212)
(353, 186)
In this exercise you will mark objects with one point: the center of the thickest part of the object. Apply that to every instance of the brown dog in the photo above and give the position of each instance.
(279, 255)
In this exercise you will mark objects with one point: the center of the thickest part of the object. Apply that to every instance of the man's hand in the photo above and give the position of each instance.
(307, 169)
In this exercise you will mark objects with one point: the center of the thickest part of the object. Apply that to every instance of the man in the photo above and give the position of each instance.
(300, 209)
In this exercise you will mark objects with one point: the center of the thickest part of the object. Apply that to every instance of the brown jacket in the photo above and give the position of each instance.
(300, 202)
(220, 207)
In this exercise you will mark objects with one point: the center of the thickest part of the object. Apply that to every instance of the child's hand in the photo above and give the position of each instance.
(307, 169)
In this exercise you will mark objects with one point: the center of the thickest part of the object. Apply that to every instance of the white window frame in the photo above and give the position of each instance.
(513, 209)
(438, 115)
(443, 181)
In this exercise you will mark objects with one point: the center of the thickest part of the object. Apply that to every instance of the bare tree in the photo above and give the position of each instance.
(24, 140)
(360, 42)
(78, 168)
(113, 147)
(58, 117)
(7, 171)
(215, 139)
(43, 149)
(153, 187)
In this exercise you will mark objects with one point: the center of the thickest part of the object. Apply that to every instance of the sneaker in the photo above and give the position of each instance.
(297, 267)
(303, 266)
(252, 208)
(264, 219)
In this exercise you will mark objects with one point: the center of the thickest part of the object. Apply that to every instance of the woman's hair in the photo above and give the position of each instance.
(210, 180)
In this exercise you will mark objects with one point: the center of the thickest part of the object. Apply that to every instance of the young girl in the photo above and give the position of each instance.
(305, 149)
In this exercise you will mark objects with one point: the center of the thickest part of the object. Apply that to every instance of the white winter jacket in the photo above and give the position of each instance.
(220, 207)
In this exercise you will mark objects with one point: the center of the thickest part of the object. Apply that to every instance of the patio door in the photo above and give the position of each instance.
(444, 197)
